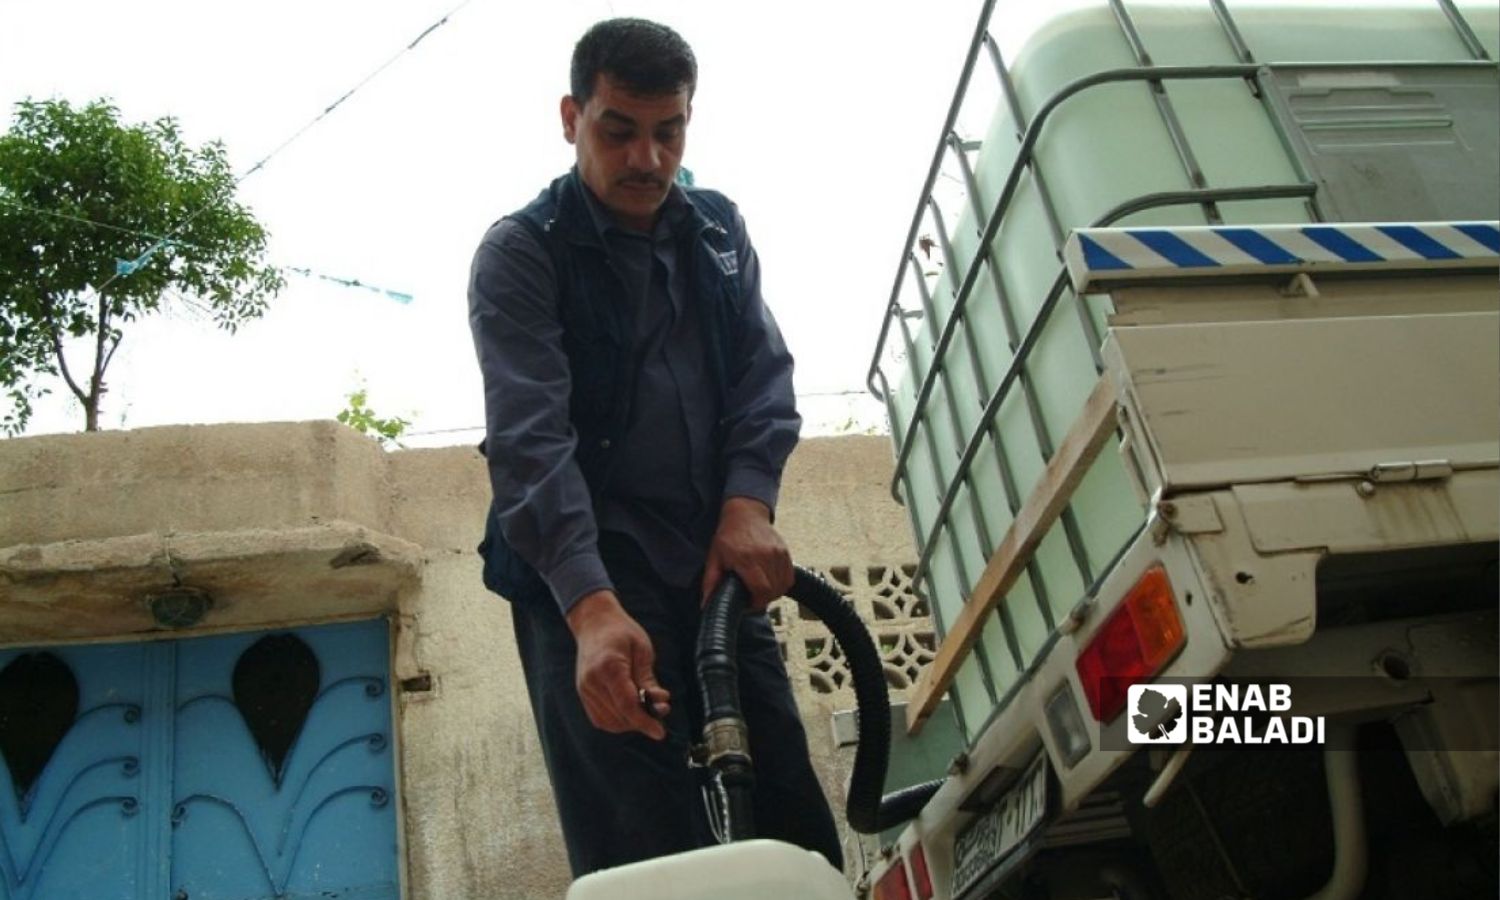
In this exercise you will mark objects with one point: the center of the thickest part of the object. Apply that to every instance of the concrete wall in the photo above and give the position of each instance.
(296, 523)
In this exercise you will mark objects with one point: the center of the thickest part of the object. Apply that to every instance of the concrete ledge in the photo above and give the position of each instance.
(94, 589)
(188, 479)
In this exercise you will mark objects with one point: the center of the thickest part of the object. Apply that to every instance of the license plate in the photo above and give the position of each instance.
(989, 839)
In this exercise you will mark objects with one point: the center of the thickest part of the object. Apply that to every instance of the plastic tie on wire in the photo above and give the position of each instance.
(398, 296)
(125, 267)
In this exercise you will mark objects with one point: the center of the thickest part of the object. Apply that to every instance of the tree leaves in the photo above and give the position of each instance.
(362, 418)
(80, 190)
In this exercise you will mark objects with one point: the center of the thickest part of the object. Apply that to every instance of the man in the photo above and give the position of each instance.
(639, 410)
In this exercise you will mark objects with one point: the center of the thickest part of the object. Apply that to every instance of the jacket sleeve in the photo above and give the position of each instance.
(541, 499)
(761, 422)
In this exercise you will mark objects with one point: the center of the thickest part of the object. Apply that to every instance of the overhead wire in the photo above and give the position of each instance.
(800, 396)
(127, 267)
(855, 392)
(352, 91)
(399, 296)
(80, 219)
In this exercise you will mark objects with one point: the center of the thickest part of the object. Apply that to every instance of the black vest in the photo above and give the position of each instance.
(597, 334)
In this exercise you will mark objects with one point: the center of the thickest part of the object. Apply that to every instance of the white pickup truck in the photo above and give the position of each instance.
(1193, 369)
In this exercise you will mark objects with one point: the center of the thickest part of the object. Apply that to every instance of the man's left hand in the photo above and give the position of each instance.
(747, 545)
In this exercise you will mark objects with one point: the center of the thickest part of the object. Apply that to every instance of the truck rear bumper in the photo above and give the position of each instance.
(1244, 566)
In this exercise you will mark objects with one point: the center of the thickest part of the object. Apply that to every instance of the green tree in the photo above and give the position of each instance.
(100, 222)
(362, 418)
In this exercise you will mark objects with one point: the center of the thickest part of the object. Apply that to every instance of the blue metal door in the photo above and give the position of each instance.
(228, 768)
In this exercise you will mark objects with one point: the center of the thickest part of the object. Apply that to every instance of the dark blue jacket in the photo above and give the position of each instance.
(596, 339)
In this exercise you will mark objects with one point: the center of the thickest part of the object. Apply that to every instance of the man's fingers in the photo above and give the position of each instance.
(602, 714)
(656, 700)
(768, 582)
(780, 585)
(712, 573)
(646, 693)
(746, 543)
(614, 659)
(626, 701)
(598, 700)
(617, 709)
(759, 585)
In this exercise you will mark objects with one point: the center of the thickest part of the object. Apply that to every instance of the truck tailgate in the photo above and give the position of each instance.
(1235, 402)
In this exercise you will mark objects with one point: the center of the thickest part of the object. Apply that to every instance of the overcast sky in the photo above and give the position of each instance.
(819, 117)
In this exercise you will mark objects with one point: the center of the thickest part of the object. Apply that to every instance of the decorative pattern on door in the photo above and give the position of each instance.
(228, 768)
(71, 742)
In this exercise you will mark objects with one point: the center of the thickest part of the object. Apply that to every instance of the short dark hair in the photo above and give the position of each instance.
(644, 57)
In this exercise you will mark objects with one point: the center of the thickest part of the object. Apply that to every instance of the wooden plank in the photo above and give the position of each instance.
(1068, 466)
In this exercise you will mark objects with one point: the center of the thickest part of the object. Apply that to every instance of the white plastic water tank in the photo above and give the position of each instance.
(747, 870)
(1103, 146)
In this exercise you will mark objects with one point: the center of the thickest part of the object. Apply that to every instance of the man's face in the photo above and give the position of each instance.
(629, 147)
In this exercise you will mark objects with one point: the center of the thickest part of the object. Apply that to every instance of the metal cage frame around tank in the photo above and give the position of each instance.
(1257, 77)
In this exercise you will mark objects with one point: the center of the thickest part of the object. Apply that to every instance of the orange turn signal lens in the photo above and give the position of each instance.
(1153, 611)
(1137, 641)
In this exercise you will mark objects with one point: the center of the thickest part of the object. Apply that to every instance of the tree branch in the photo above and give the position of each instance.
(114, 344)
(101, 332)
(96, 384)
(62, 361)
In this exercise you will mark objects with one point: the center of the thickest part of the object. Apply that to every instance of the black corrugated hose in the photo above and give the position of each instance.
(718, 681)
(867, 811)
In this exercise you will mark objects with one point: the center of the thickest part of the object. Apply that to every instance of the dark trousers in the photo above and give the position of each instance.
(624, 797)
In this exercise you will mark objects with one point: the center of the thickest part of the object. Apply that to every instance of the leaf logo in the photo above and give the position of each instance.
(1158, 714)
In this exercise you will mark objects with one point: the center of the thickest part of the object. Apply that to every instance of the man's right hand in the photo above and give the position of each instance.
(615, 662)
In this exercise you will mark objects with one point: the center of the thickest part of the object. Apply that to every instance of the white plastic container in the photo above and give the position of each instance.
(747, 870)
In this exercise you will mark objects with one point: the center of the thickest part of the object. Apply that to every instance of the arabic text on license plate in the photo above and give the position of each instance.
(990, 837)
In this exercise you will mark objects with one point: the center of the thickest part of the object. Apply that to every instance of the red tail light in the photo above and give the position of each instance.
(892, 885)
(1138, 639)
(919, 873)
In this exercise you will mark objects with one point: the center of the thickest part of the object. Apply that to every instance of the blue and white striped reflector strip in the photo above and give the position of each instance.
(1098, 255)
